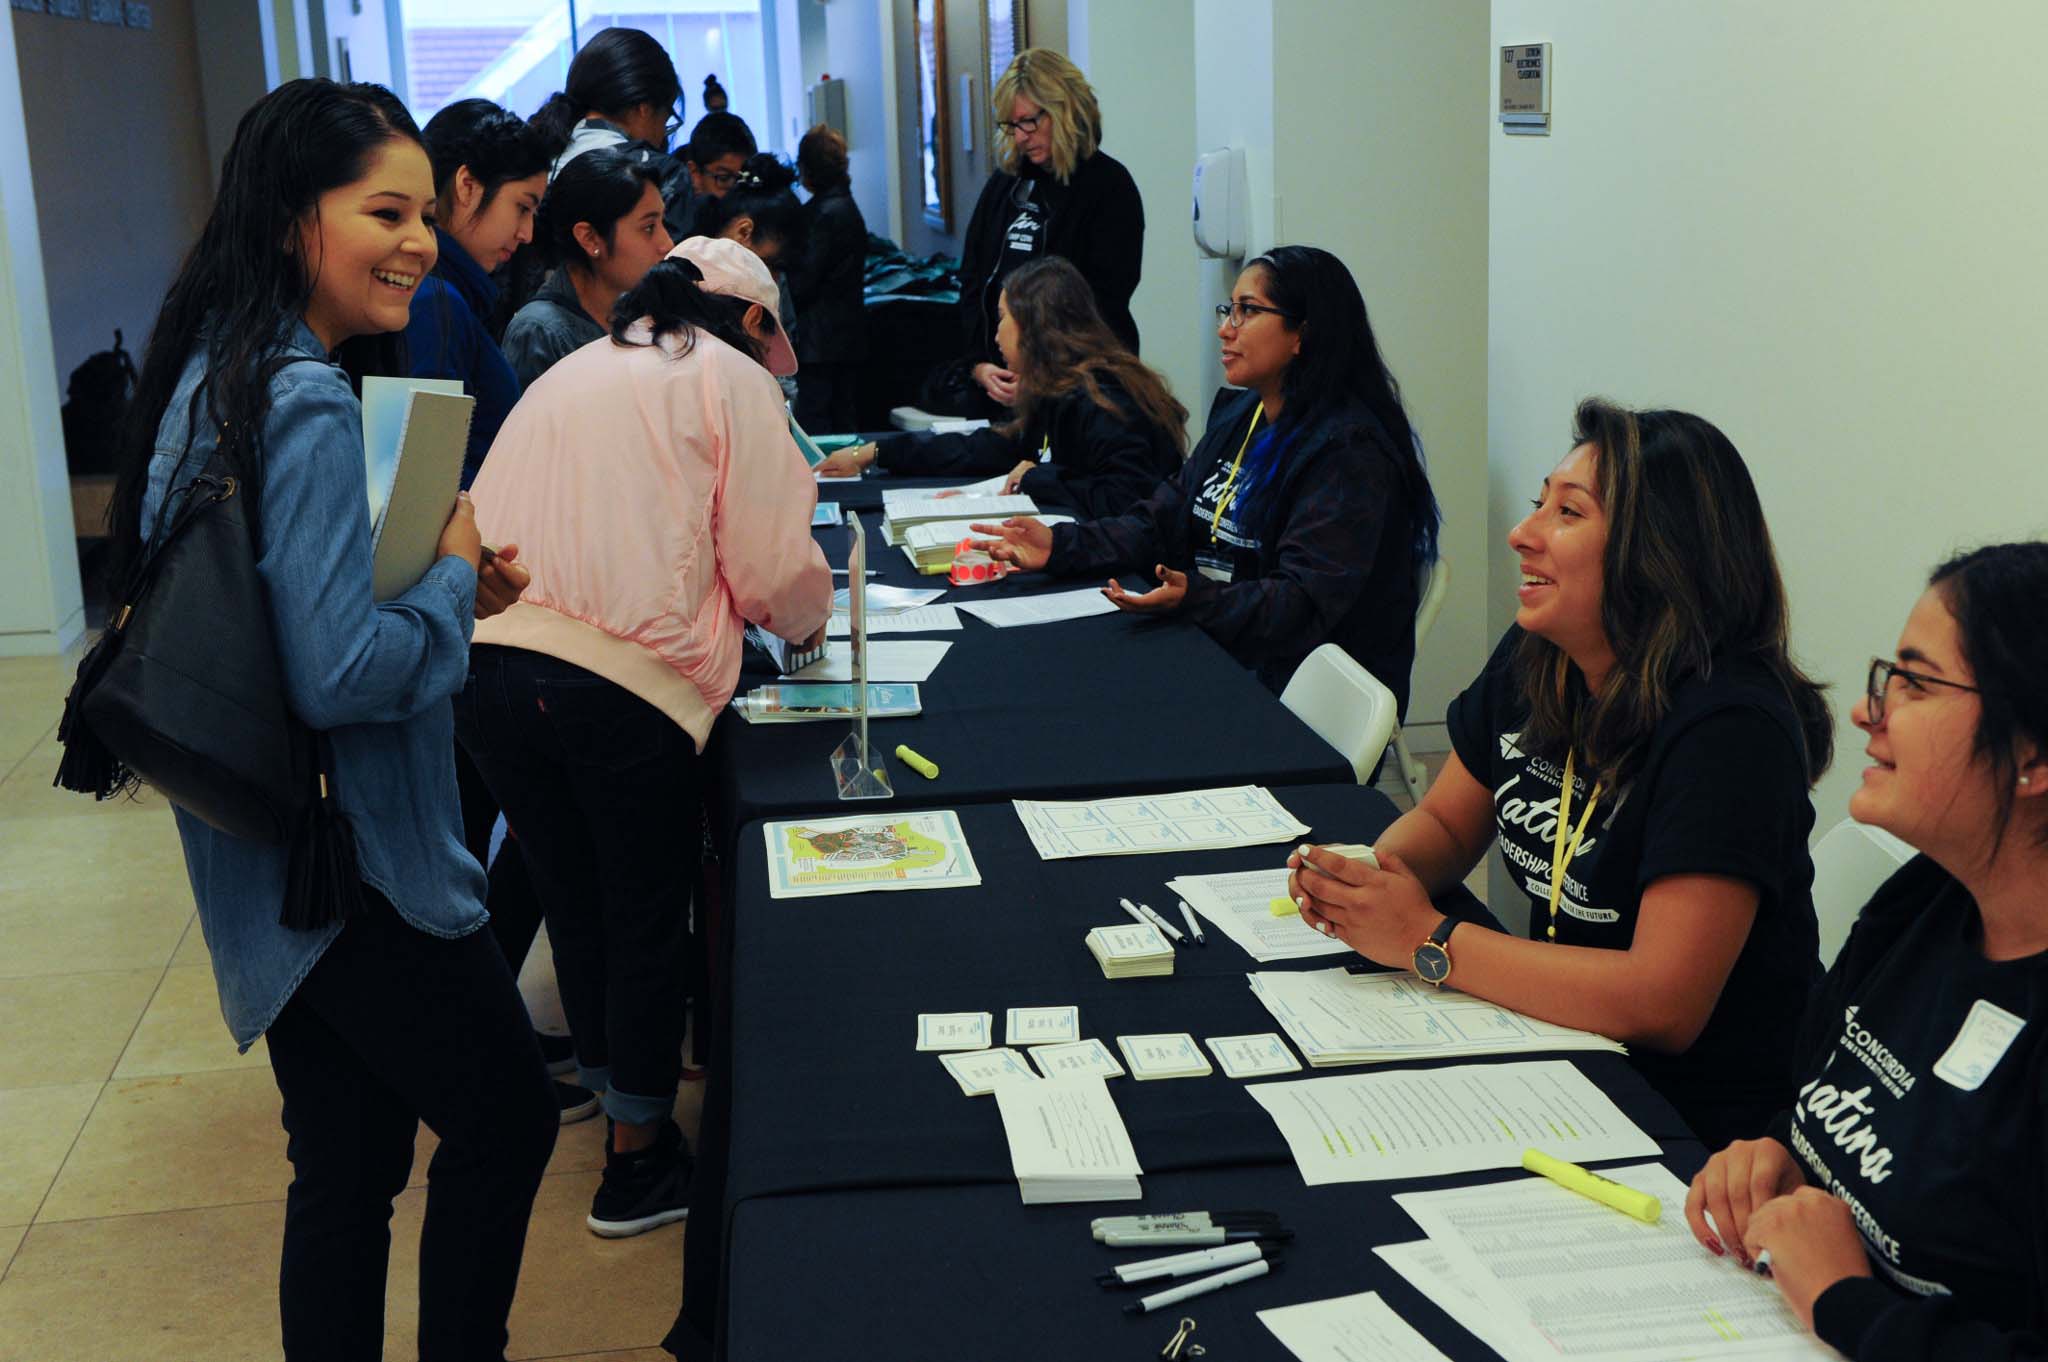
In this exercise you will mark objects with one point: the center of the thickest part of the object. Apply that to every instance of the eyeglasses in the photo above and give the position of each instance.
(724, 179)
(1022, 126)
(1878, 684)
(1236, 314)
(674, 124)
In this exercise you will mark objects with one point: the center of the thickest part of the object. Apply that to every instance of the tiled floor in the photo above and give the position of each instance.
(142, 1168)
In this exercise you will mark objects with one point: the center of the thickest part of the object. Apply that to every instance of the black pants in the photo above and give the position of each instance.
(606, 792)
(393, 1027)
(825, 399)
(510, 897)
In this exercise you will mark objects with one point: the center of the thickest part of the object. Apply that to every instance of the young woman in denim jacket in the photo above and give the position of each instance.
(404, 1011)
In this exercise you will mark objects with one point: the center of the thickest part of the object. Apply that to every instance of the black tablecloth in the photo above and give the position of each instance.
(1110, 704)
(832, 1107)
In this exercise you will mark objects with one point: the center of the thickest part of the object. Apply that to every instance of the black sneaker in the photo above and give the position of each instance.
(644, 1189)
(577, 1104)
(558, 1051)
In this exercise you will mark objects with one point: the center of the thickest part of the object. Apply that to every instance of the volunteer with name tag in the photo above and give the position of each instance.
(1303, 517)
(1641, 746)
(1900, 1202)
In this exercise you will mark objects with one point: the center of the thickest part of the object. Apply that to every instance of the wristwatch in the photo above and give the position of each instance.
(1433, 957)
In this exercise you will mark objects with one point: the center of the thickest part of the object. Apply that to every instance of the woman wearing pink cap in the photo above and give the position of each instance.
(655, 494)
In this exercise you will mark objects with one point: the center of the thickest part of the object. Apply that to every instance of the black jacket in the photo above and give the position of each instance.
(551, 324)
(827, 282)
(1103, 463)
(1096, 221)
(1329, 556)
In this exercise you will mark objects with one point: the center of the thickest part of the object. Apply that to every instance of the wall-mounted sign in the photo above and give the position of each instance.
(1525, 90)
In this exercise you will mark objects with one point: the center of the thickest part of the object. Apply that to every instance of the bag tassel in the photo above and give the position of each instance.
(324, 884)
(87, 766)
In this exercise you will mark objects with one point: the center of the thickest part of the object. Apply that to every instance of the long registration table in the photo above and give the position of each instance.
(869, 1207)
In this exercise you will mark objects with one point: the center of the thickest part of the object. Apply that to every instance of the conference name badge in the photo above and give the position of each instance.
(1988, 1032)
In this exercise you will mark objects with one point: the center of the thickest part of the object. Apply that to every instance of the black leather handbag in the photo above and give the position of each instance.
(183, 692)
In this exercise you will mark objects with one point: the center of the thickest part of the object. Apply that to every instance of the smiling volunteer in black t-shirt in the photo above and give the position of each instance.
(1641, 745)
(1901, 1197)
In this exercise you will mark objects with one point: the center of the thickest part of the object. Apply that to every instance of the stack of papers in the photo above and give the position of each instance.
(1348, 1328)
(878, 599)
(1080, 1057)
(1239, 905)
(1538, 1272)
(1197, 820)
(922, 620)
(1131, 951)
(1418, 1123)
(1165, 1056)
(1339, 1018)
(888, 660)
(1051, 608)
(800, 703)
(1067, 1142)
(953, 1030)
(1253, 1056)
(812, 857)
(1042, 1026)
(981, 1072)
(904, 507)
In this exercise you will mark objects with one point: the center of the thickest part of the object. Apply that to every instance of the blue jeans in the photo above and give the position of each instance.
(606, 793)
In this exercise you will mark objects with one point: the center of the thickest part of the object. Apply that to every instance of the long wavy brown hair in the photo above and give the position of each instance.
(1690, 579)
(1066, 345)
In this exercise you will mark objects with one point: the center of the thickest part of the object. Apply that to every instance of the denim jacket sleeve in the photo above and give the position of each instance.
(346, 658)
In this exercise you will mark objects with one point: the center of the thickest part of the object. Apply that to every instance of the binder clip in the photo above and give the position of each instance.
(973, 566)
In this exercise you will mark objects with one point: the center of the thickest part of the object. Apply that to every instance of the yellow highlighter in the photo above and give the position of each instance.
(928, 769)
(1607, 1192)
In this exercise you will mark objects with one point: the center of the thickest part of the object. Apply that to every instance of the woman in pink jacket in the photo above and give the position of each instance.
(655, 494)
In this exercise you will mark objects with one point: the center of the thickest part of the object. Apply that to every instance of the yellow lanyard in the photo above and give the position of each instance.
(1560, 853)
(1223, 498)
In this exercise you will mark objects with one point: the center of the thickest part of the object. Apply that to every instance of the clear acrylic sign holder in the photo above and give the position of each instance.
(859, 770)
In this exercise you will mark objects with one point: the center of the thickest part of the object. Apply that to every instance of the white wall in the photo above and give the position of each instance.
(856, 53)
(41, 609)
(1392, 178)
(1819, 226)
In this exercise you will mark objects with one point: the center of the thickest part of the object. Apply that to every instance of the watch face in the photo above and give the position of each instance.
(1432, 962)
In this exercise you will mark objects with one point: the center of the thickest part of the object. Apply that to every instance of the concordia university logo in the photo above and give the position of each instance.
(1510, 746)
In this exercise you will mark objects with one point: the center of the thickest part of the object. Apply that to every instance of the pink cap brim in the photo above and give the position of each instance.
(781, 356)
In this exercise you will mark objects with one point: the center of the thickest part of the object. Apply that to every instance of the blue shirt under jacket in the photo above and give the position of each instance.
(447, 338)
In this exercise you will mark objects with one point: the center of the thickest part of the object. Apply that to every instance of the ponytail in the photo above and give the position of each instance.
(672, 299)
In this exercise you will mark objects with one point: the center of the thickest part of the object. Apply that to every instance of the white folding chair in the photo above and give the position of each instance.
(1345, 704)
(1436, 580)
(1849, 863)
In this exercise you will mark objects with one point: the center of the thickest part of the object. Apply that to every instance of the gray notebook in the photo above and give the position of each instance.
(426, 473)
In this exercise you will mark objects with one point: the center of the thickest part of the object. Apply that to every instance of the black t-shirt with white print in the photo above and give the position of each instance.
(1919, 1101)
(1721, 791)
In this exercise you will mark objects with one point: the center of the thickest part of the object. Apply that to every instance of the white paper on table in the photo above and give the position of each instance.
(923, 620)
(964, 427)
(1079, 1057)
(888, 660)
(1450, 1287)
(1337, 1017)
(1167, 1055)
(1051, 608)
(1041, 1025)
(937, 534)
(1240, 905)
(902, 510)
(1067, 1131)
(1416, 1123)
(837, 477)
(1569, 1278)
(981, 1072)
(879, 599)
(1360, 1328)
(813, 857)
(1253, 1056)
(953, 1030)
(1192, 820)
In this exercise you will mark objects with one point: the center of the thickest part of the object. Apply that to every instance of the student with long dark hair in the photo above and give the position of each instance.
(1900, 1193)
(1095, 429)
(489, 173)
(622, 92)
(1641, 744)
(1053, 191)
(1304, 516)
(825, 286)
(600, 228)
(656, 489)
(403, 1011)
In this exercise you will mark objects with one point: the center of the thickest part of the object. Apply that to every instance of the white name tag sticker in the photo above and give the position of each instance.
(1988, 1032)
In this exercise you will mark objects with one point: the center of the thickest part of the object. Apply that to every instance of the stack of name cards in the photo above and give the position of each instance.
(1164, 1056)
(981, 1072)
(1080, 1057)
(1067, 1141)
(1131, 951)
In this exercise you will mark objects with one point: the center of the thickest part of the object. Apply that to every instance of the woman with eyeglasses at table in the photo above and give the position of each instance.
(1095, 429)
(1054, 192)
(1901, 1197)
(1641, 744)
(1303, 517)
(622, 92)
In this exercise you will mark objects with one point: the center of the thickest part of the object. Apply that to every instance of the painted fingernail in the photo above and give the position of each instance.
(1302, 904)
(1327, 930)
(1302, 851)
(1714, 1247)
